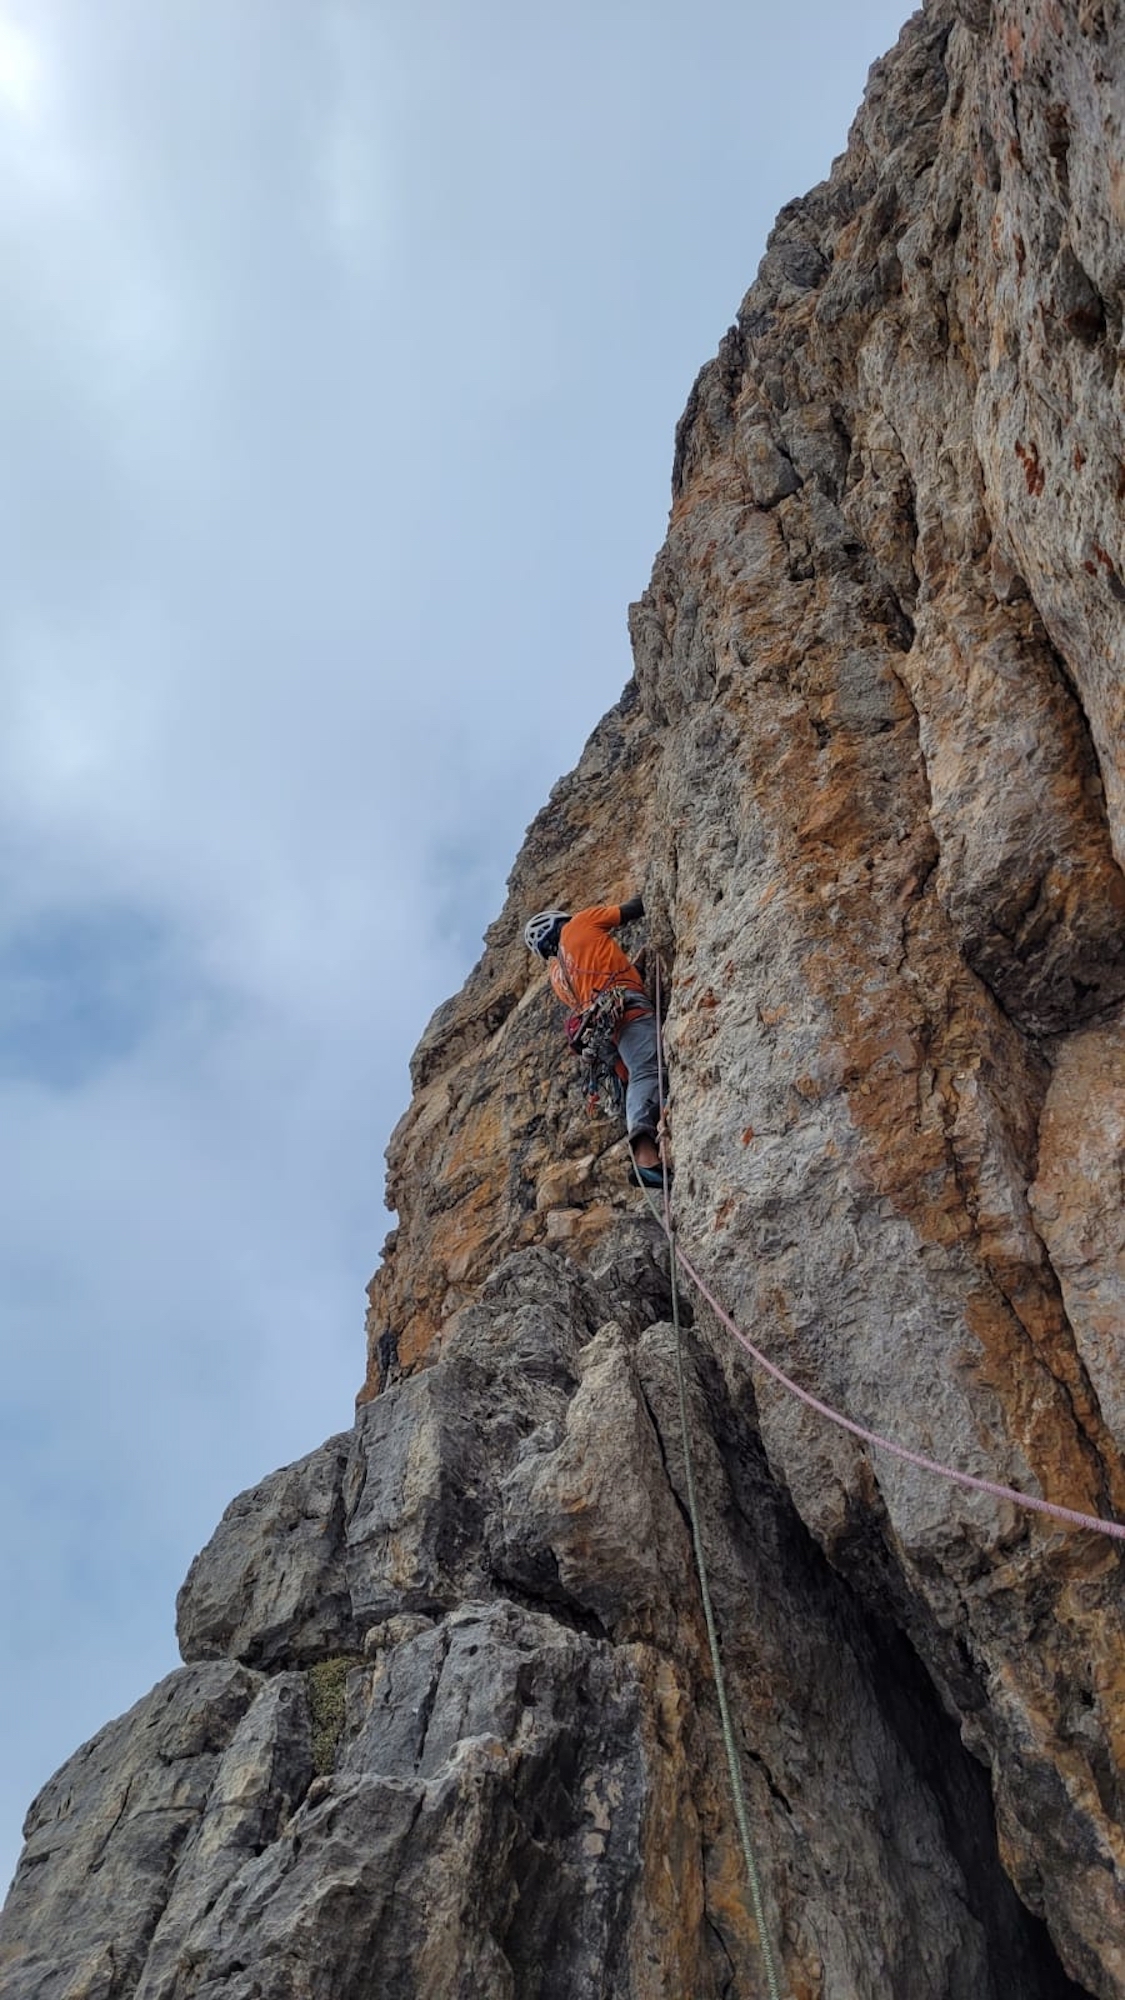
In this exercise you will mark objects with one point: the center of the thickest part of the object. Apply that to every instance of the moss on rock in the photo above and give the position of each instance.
(327, 1688)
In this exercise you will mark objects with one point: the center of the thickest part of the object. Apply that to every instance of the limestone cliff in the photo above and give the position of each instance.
(447, 1725)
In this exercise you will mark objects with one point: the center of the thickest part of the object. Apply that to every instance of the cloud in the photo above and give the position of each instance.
(340, 352)
(351, 172)
(21, 71)
(80, 990)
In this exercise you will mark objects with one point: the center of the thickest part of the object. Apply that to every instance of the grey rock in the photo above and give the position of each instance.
(270, 1586)
(413, 1499)
(870, 775)
(262, 1778)
(1076, 1202)
(106, 1834)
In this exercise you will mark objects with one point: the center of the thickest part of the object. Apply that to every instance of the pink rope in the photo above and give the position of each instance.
(1069, 1515)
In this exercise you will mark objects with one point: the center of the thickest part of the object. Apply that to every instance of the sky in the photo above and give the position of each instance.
(342, 344)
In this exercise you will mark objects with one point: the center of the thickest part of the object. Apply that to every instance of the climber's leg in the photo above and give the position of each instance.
(636, 1045)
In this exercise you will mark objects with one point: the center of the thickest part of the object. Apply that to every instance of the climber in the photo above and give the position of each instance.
(600, 986)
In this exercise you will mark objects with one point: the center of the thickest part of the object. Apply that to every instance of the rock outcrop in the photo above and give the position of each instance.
(447, 1724)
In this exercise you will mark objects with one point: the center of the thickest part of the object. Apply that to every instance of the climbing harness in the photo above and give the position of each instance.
(592, 1035)
(604, 1015)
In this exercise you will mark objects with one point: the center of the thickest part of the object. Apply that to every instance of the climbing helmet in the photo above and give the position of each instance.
(540, 933)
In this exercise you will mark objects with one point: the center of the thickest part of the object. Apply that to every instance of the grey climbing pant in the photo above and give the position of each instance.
(636, 1045)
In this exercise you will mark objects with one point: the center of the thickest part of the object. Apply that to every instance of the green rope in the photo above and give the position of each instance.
(734, 1765)
(752, 1875)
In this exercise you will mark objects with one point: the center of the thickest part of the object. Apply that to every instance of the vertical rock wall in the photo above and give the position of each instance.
(447, 1725)
(882, 613)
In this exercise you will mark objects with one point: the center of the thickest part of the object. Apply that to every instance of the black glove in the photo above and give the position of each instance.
(633, 909)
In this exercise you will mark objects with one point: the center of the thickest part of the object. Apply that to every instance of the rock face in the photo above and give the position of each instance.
(447, 1725)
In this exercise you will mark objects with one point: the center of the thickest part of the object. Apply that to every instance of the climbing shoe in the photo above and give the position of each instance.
(650, 1177)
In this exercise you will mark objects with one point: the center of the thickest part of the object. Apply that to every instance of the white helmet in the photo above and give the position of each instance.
(540, 930)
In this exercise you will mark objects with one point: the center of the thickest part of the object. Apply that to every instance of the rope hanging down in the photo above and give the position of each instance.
(734, 1766)
(1069, 1516)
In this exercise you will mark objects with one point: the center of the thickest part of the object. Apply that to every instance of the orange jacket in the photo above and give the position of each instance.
(589, 960)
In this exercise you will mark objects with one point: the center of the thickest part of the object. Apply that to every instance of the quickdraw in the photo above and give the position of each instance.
(593, 1037)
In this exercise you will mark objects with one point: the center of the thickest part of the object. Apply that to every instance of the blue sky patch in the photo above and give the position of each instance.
(80, 991)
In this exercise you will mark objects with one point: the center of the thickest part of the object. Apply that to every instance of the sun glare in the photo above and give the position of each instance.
(21, 70)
